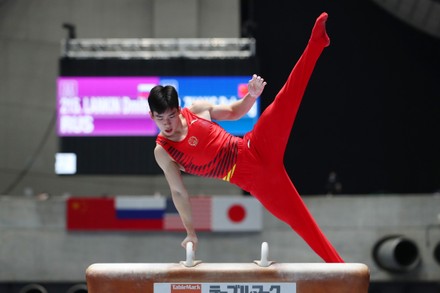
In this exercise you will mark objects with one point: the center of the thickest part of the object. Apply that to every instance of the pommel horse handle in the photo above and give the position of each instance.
(264, 261)
(189, 262)
(190, 255)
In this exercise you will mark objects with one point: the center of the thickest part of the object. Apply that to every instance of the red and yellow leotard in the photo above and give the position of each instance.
(207, 149)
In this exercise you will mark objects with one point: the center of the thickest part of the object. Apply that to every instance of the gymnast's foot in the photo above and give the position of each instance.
(319, 34)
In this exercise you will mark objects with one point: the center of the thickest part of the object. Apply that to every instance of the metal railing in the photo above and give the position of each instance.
(165, 48)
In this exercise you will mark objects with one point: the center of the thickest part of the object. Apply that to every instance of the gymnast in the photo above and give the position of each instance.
(189, 141)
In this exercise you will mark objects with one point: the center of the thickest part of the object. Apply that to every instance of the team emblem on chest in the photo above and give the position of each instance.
(193, 141)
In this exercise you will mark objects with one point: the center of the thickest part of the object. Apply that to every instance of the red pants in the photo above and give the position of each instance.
(260, 165)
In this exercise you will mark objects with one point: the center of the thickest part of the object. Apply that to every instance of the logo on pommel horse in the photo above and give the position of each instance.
(186, 288)
(224, 287)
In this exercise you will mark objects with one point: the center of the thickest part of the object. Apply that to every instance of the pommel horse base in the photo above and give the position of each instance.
(258, 277)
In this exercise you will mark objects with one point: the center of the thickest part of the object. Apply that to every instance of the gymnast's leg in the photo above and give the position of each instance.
(279, 196)
(275, 124)
(272, 186)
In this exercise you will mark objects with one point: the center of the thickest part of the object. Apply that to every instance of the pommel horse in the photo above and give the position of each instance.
(261, 276)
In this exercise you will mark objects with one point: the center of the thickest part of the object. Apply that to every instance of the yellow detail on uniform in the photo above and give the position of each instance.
(230, 174)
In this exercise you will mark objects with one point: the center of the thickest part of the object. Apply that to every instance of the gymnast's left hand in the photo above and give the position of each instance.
(256, 86)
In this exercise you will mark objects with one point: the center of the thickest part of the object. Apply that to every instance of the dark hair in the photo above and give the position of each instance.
(162, 98)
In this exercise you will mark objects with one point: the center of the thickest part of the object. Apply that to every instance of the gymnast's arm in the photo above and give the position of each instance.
(179, 193)
(235, 110)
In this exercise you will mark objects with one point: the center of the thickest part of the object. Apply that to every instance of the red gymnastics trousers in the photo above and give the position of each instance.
(260, 164)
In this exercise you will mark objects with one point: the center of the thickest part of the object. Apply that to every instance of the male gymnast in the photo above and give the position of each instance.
(189, 141)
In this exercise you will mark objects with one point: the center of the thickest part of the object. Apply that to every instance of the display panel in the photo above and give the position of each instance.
(118, 106)
(115, 136)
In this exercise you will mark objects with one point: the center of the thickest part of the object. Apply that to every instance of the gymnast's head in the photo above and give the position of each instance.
(163, 98)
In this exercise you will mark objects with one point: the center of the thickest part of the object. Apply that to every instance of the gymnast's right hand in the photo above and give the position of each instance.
(190, 238)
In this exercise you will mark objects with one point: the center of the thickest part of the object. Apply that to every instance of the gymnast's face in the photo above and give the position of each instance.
(168, 122)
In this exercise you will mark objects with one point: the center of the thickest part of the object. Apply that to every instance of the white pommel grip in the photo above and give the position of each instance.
(189, 262)
(264, 261)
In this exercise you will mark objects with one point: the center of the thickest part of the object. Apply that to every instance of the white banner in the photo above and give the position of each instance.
(225, 287)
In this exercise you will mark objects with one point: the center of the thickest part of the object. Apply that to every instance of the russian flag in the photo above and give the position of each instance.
(140, 207)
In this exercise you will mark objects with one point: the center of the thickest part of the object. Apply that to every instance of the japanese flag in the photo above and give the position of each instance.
(236, 214)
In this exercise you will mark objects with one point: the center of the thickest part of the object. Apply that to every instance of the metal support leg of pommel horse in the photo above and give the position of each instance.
(261, 276)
